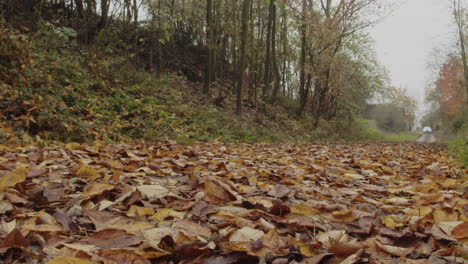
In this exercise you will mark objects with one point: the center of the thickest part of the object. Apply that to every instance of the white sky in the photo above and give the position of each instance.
(406, 38)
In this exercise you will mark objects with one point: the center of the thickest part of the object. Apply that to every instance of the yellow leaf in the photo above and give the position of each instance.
(69, 260)
(306, 251)
(420, 211)
(445, 215)
(450, 184)
(96, 189)
(303, 210)
(139, 211)
(345, 215)
(164, 213)
(14, 177)
(149, 254)
(389, 222)
(73, 146)
(88, 173)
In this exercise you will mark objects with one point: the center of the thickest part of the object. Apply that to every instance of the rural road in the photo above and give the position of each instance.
(427, 138)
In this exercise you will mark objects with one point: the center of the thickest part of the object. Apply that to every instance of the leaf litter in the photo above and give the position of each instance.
(232, 203)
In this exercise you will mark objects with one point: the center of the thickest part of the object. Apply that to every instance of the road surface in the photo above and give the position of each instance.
(427, 138)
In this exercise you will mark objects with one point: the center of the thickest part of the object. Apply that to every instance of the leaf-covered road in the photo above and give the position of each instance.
(232, 203)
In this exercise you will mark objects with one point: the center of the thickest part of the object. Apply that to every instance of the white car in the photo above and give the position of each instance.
(427, 130)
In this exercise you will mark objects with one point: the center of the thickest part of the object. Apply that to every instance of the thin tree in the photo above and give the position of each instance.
(267, 70)
(209, 44)
(302, 88)
(458, 13)
(242, 64)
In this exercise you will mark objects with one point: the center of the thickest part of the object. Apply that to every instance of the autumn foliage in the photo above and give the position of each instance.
(450, 87)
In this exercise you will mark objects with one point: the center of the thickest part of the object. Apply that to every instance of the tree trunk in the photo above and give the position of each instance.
(273, 57)
(79, 8)
(245, 25)
(302, 88)
(267, 73)
(135, 12)
(459, 16)
(209, 44)
(104, 15)
(284, 41)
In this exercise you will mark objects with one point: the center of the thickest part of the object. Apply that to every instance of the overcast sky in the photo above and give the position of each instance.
(406, 38)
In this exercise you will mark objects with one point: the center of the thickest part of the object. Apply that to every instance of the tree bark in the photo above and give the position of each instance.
(242, 64)
(459, 16)
(267, 73)
(302, 88)
(79, 8)
(135, 12)
(209, 43)
(273, 57)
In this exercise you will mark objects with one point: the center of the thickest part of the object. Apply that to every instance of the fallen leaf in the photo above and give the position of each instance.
(88, 172)
(164, 213)
(154, 236)
(216, 194)
(69, 260)
(122, 256)
(395, 251)
(14, 177)
(112, 238)
(96, 189)
(14, 238)
(135, 211)
(153, 192)
(246, 234)
(460, 231)
(445, 215)
(390, 222)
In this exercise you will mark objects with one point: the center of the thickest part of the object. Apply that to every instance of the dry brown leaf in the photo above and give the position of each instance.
(122, 256)
(153, 192)
(460, 231)
(246, 234)
(96, 189)
(112, 238)
(14, 238)
(395, 251)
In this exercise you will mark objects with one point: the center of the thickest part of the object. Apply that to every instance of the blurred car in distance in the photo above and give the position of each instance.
(427, 130)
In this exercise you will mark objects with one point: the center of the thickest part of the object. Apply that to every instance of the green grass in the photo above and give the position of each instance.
(366, 130)
(459, 148)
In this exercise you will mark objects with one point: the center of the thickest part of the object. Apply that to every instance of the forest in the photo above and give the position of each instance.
(225, 132)
(305, 67)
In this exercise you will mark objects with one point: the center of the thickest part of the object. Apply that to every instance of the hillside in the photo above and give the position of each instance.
(56, 89)
(161, 70)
